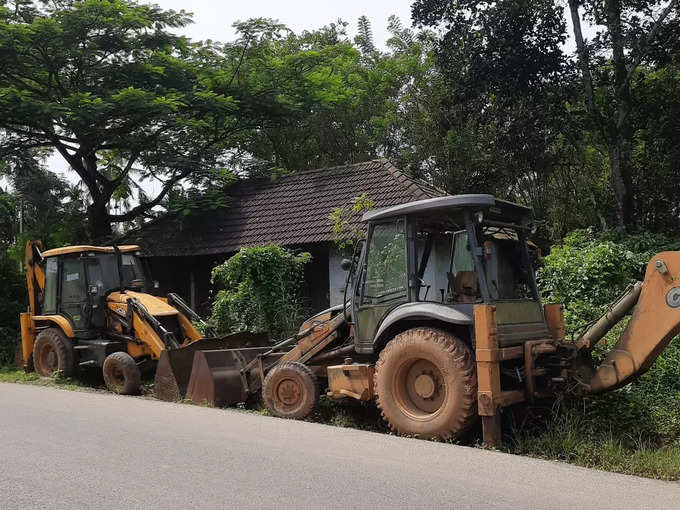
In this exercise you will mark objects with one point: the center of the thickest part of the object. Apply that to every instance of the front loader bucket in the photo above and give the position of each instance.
(174, 366)
(216, 377)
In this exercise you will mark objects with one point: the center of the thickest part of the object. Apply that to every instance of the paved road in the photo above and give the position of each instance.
(63, 449)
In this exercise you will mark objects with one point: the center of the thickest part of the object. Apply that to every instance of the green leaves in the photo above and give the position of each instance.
(260, 290)
(586, 274)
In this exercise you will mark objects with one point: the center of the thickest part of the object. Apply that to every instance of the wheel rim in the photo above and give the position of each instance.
(289, 392)
(419, 389)
(117, 377)
(49, 360)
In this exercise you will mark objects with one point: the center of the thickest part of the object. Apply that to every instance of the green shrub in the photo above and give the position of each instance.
(260, 290)
(586, 273)
(12, 303)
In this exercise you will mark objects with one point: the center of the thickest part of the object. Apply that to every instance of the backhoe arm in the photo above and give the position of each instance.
(35, 274)
(655, 321)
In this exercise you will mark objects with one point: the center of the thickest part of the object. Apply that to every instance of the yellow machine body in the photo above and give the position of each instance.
(145, 340)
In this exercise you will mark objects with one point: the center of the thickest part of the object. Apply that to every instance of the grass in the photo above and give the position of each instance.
(13, 375)
(576, 433)
(567, 436)
(87, 380)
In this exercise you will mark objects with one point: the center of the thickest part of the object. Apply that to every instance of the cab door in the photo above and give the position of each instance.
(382, 280)
(74, 303)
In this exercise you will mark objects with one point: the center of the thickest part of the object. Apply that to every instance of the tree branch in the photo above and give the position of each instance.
(111, 185)
(644, 46)
(142, 208)
(583, 59)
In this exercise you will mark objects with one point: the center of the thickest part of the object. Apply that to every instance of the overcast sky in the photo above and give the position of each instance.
(213, 19)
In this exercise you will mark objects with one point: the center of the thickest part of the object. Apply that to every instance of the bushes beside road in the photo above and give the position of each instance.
(635, 429)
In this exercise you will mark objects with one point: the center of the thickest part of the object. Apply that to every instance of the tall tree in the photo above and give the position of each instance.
(108, 86)
(317, 97)
(501, 103)
(632, 34)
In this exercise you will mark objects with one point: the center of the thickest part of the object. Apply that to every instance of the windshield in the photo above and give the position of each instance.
(103, 272)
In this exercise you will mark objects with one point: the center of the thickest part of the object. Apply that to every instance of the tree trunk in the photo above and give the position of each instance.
(619, 140)
(99, 223)
(621, 180)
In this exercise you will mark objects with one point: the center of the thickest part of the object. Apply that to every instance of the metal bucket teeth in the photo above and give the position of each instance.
(174, 366)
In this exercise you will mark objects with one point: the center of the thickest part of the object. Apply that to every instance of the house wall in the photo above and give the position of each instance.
(182, 274)
(336, 277)
(187, 276)
(316, 287)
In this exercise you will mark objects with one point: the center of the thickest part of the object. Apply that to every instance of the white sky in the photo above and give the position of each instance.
(213, 19)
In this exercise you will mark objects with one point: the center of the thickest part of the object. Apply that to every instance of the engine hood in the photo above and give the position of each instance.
(155, 305)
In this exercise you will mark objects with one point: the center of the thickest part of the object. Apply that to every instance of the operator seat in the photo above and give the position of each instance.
(466, 286)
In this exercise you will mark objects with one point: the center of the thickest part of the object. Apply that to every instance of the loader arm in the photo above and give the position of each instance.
(654, 323)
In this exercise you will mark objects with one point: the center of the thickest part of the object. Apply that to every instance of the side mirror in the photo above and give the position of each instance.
(346, 264)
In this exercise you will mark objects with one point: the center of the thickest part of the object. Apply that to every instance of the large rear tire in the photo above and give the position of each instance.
(290, 390)
(121, 374)
(426, 384)
(53, 352)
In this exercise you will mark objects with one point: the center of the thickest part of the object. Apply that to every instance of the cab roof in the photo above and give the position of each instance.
(494, 208)
(65, 250)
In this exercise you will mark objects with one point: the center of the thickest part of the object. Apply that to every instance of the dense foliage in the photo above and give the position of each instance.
(13, 303)
(586, 272)
(260, 289)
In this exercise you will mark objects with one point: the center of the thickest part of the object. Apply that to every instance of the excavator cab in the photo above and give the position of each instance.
(79, 279)
(439, 258)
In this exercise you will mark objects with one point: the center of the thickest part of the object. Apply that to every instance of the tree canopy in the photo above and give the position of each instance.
(111, 89)
(499, 96)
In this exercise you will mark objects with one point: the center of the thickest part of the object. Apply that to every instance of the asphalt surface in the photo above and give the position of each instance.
(64, 449)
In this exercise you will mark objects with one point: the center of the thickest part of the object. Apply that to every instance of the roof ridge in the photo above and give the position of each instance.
(409, 183)
(276, 177)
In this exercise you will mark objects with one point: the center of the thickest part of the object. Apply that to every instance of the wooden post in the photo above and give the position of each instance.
(488, 373)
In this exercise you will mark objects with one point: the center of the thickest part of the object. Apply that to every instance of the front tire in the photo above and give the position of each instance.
(290, 390)
(121, 374)
(426, 384)
(53, 352)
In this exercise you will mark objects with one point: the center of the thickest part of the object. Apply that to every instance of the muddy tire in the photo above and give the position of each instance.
(121, 374)
(426, 384)
(290, 390)
(53, 352)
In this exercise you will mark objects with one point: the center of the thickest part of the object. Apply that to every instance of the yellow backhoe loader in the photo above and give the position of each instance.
(89, 306)
(442, 324)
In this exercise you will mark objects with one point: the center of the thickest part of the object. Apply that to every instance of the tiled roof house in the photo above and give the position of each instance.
(291, 210)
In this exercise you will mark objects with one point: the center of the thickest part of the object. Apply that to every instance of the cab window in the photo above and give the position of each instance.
(385, 273)
(73, 280)
(51, 284)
